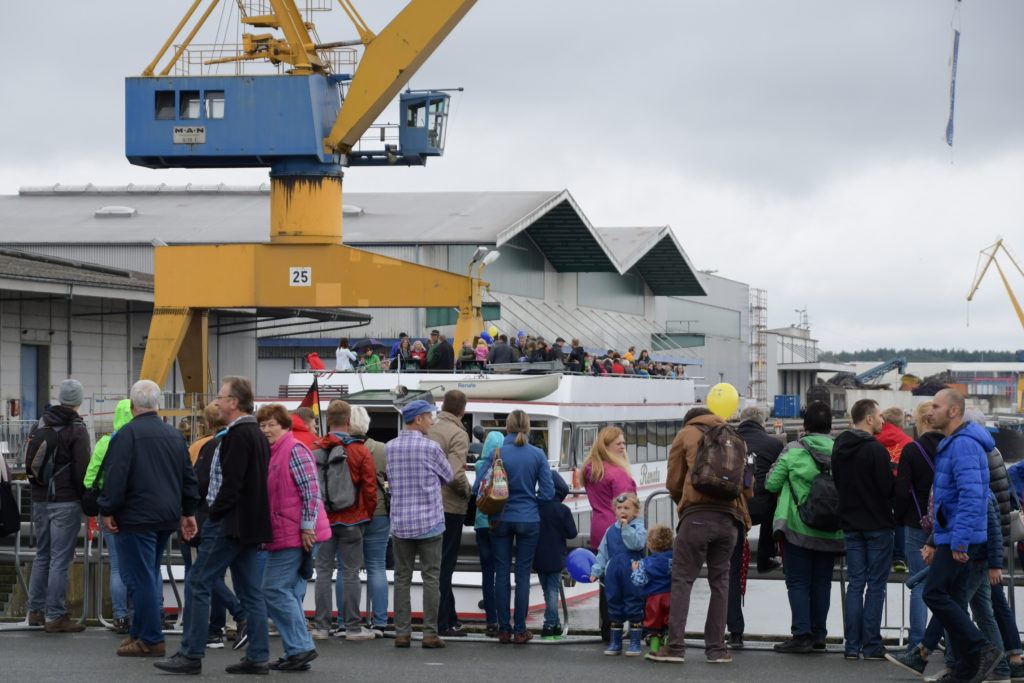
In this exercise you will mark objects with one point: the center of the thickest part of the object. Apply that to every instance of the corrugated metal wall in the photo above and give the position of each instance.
(137, 257)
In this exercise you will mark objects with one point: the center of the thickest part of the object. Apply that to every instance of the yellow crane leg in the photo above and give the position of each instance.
(305, 209)
(178, 332)
(190, 280)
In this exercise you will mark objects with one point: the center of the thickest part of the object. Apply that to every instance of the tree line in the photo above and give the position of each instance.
(921, 355)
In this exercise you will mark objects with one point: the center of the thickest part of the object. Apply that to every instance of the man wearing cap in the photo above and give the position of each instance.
(417, 469)
(555, 352)
(57, 513)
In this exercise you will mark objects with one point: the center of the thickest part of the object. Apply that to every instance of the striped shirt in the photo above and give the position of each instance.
(417, 469)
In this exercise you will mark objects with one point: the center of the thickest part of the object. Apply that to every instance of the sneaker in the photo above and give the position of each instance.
(735, 641)
(988, 660)
(137, 648)
(377, 631)
(64, 625)
(1016, 670)
(796, 645)
(362, 634)
(547, 633)
(180, 664)
(241, 635)
(320, 634)
(215, 641)
(851, 656)
(899, 566)
(997, 678)
(876, 656)
(36, 618)
(819, 645)
(453, 632)
(338, 632)
(911, 661)
(520, 638)
(491, 631)
(942, 675)
(121, 626)
(665, 655)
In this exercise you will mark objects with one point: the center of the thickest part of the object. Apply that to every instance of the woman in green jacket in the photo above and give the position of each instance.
(809, 554)
(118, 592)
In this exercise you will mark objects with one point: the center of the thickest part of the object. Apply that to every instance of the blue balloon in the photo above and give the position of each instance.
(579, 563)
(486, 337)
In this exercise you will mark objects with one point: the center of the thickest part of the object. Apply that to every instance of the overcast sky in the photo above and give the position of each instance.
(795, 146)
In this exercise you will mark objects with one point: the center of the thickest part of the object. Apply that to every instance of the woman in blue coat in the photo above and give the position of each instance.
(518, 524)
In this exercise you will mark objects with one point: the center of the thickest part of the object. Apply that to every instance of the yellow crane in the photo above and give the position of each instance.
(986, 258)
(304, 124)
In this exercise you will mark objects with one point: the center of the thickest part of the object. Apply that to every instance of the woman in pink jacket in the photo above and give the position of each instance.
(299, 523)
(606, 475)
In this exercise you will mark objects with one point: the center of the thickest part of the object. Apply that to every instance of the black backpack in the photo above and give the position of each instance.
(820, 510)
(41, 454)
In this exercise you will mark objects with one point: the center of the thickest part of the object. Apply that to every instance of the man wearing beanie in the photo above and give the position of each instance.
(57, 513)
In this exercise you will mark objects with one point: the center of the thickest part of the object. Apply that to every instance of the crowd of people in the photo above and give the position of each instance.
(260, 501)
(436, 353)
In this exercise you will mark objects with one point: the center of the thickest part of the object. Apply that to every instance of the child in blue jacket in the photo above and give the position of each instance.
(620, 547)
(556, 527)
(653, 576)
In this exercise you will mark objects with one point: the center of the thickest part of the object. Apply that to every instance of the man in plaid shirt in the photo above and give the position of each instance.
(417, 469)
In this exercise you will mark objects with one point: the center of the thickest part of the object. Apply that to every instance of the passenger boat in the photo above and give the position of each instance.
(566, 413)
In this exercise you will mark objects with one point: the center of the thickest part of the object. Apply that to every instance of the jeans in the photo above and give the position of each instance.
(710, 536)
(375, 547)
(915, 540)
(525, 536)
(483, 546)
(899, 544)
(429, 550)
(284, 589)
(56, 526)
(216, 554)
(118, 591)
(945, 594)
(809, 585)
(980, 601)
(734, 617)
(452, 539)
(549, 584)
(868, 559)
(140, 555)
(346, 543)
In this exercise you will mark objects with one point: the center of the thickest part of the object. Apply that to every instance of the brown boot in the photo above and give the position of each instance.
(432, 642)
(36, 618)
(64, 625)
(127, 641)
(402, 641)
(141, 649)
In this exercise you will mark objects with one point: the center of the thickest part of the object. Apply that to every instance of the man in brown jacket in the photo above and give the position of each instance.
(707, 531)
(451, 434)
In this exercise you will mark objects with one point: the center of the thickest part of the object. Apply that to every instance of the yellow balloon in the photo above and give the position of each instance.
(493, 331)
(723, 400)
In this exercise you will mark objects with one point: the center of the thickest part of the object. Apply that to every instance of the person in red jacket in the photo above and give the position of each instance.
(894, 439)
(347, 529)
(304, 427)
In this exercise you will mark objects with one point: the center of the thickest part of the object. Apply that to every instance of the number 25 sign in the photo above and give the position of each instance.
(300, 276)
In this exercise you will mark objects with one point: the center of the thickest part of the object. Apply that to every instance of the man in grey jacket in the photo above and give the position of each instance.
(450, 433)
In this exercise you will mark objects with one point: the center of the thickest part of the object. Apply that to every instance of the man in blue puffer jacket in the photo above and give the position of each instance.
(960, 491)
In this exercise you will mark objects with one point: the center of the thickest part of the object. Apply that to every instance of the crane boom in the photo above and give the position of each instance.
(989, 256)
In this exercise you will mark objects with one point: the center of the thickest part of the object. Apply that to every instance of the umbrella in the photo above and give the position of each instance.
(361, 345)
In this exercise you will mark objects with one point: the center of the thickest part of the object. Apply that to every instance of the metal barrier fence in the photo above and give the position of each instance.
(13, 435)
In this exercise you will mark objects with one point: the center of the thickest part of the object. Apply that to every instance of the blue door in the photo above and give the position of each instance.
(29, 382)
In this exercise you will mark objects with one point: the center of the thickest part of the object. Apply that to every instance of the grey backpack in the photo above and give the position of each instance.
(337, 489)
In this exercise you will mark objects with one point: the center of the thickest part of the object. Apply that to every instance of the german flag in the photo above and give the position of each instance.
(312, 400)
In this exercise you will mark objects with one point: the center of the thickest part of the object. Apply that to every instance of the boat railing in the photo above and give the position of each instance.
(523, 368)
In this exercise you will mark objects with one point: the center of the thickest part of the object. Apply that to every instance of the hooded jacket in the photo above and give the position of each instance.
(301, 432)
(791, 477)
(74, 449)
(961, 487)
(556, 527)
(894, 439)
(864, 481)
(122, 416)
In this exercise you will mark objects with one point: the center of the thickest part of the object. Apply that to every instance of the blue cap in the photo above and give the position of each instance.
(414, 408)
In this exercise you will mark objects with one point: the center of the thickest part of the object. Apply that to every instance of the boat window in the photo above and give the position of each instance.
(629, 430)
(653, 452)
(664, 439)
(641, 442)
(539, 435)
(565, 461)
(165, 104)
(584, 442)
(214, 101)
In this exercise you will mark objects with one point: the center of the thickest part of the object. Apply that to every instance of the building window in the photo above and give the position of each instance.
(165, 105)
(214, 101)
(188, 104)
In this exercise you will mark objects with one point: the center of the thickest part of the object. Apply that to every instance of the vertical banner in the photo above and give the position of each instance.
(952, 86)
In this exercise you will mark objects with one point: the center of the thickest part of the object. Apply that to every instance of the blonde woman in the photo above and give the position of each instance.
(529, 482)
(605, 475)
